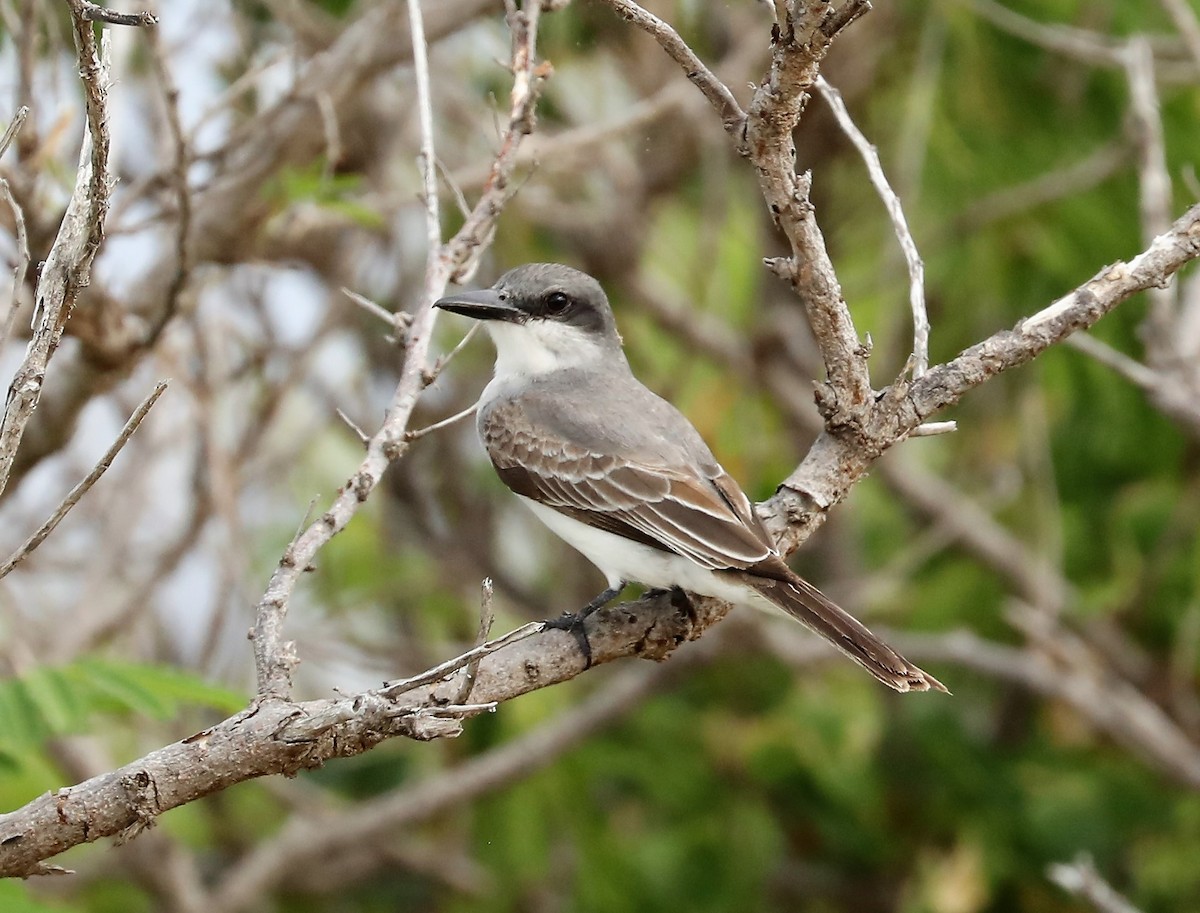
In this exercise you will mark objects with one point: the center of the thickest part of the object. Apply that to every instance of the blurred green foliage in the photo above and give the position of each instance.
(51, 701)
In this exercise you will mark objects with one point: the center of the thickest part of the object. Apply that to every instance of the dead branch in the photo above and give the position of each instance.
(69, 263)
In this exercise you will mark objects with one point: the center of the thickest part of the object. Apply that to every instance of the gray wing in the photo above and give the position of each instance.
(656, 494)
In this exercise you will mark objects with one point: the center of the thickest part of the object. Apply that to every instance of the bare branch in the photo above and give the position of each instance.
(487, 618)
(22, 264)
(799, 46)
(278, 736)
(76, 493)
(837, 462)
(69, 264)
(442, 670)
(298, 844)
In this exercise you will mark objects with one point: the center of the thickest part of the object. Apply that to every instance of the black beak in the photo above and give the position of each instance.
(482, 304)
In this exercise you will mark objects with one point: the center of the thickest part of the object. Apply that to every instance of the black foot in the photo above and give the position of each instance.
(573, 621)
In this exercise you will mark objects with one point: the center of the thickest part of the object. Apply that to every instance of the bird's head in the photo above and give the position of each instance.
(542, 317)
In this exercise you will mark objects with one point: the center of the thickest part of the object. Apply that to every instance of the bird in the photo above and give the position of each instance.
(621, 475)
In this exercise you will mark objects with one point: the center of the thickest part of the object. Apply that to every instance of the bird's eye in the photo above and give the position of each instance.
(557, 302)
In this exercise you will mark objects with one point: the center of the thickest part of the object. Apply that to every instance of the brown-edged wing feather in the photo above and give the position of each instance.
(692, 508)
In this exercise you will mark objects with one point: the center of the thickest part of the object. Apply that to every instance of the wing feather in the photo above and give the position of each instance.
(695, 511)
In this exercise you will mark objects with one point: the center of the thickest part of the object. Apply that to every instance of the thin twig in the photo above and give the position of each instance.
(22, 265)
(1130, 368)
(1081, 879)
(363, 437)
(444, 423)
(90, 12)
(1185, 19)
(912, 257)
(440, 671)
(463, 250)
(487, 617)
(443, 360)
(929, 429)
(14, 127)
(455, 188)
(181, 160)
(75, 494)
(433, 223)
(732, 116)
(371, 307)
(1154, 185)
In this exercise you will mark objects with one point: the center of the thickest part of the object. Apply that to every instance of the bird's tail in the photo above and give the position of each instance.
(808, 605)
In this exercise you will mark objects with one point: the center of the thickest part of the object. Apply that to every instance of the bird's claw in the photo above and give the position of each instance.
(572, 623)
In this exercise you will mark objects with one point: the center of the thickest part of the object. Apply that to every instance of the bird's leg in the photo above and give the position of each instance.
(573, 621)
(602, 599)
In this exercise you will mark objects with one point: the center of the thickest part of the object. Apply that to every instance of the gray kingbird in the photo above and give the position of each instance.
(619, 473)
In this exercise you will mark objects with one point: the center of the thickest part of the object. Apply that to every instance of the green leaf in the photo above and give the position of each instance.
(165, 686)
(59, 700)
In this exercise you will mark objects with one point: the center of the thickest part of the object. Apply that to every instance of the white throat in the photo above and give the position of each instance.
(540, 347)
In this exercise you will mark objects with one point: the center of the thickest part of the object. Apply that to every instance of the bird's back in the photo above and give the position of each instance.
(637, 425)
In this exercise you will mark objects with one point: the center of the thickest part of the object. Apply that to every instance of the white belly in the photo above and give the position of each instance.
(621, 559)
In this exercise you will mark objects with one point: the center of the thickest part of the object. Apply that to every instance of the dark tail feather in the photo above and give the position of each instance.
(810, 607)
